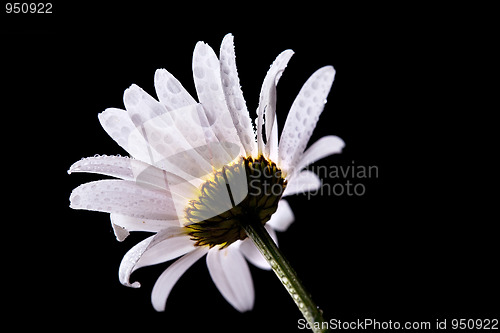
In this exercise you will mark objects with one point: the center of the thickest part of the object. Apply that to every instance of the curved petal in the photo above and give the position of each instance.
(208, 84)
(303, 117)
(231, 275)
(301, 183)
(171, 275)
(115, 166)
(282, 218)
(267, 105)
(327, 145)
(124, 197)
(170, 91)
(234, 96)
(166, 245)
(129, 260)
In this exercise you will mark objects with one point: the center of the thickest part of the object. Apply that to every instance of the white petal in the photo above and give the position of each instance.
(171, 275)
(234, 96)
(252, 254)
(120, 128)
(115, 166)
(325, 146)
(303, 117)
(170, 91)
(231, 275)
(267, 104)
(168, 244)
(141, 106)
(123, 197)
(282, 218)
(208, 84)
(129, 261)
(137, 224)
(303, 182)
(131, 169)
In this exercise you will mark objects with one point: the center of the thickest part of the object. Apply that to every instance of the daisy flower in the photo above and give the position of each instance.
(203, 178)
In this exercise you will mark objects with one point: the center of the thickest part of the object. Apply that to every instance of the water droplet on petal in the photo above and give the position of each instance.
(75, 200)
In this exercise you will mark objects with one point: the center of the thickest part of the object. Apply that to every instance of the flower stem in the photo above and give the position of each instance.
(286, 275)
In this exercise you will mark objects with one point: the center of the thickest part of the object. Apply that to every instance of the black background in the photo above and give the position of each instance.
(420, 244)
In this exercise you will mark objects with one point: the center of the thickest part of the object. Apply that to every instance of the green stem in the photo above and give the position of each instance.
(286, 275)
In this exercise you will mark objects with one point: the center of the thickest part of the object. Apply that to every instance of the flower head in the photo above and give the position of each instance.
(199, 171)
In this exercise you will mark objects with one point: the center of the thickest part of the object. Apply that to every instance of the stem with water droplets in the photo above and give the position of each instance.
(286, 274)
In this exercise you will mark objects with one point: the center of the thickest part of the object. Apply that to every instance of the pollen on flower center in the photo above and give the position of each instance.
(242, 192)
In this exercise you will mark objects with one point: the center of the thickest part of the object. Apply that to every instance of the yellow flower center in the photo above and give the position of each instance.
(246, 190)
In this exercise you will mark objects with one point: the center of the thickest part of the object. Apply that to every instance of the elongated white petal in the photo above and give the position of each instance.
(303, 182)
(120, 128)
(123, 197)
(303, 117)
(324, 147)
(282, 218)
(171, 275)
(170, 91)
(134, 170)
(137, 224)
(115, 166)
(231, 275)
(234, 96)
(141, 106)
(208, 84)
(267, 104)
(166, 245)
(129, 260)
(252, 254)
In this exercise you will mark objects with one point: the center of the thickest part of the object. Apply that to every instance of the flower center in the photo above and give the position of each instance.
(242, 192)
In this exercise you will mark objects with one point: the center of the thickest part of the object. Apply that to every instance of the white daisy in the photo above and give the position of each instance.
(198, 170)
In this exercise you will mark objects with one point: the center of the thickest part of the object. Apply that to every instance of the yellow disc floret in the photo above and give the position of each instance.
(246, 190)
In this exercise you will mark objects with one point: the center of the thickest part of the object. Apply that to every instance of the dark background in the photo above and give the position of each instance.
(420, 244)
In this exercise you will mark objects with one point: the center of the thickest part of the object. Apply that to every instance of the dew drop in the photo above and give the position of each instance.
(76, 200)
(173, 86)
(198, 72)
